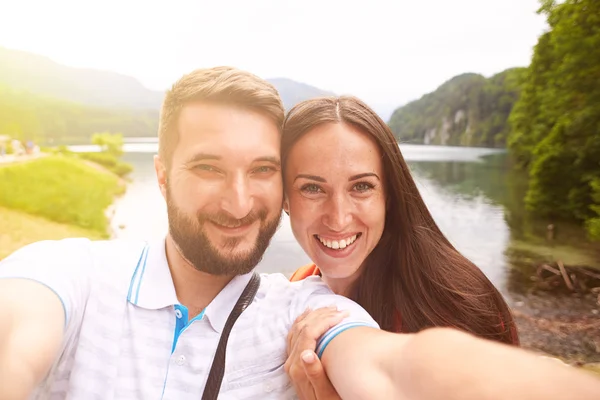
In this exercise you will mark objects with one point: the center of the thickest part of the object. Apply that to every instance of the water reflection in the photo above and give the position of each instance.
(471, 220)
(529, 240)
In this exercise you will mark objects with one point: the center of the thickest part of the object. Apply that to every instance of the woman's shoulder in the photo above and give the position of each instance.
(304, 272)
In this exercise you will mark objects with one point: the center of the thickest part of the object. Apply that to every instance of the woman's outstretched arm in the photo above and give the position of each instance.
(366, 363)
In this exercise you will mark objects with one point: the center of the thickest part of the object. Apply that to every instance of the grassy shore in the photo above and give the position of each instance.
(19, 229)
(61, 189)
(54, 197)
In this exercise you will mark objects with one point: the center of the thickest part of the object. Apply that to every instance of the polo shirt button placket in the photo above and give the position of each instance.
(180, 360)
(268, 387)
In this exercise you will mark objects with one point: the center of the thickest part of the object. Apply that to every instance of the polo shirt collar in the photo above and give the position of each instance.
(152, 286)
(219, 309)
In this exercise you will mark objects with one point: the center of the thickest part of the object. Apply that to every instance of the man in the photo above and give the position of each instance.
(133, 320)
(136, 320)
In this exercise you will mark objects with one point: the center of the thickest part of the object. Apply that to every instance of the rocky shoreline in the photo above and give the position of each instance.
(566, 327)
(557, 312)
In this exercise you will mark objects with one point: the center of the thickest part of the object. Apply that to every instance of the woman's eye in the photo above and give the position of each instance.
(363, 186)
(311, 188)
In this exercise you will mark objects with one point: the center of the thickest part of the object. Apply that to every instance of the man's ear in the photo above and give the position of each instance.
(161, 175)
(286, 205)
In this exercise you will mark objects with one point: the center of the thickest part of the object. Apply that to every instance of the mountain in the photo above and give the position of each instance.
(40, 75)
(293, 92)
(467, 110)
(49, 102)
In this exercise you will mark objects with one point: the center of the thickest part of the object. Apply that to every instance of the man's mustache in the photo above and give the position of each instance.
(225, 219)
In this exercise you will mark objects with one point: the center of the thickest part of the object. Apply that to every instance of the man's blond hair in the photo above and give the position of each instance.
(223, 85)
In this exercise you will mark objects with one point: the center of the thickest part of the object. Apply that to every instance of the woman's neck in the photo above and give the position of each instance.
(339, 286)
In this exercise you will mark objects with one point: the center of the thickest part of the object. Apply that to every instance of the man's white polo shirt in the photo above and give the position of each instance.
(128, 337)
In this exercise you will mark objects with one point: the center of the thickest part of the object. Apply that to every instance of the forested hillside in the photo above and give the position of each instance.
(46, 120)
(467, 110)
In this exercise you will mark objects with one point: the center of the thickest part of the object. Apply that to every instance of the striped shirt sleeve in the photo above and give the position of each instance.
(315, 294)
(63, 266)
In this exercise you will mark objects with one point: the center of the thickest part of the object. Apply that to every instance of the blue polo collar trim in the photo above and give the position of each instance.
(151, 285)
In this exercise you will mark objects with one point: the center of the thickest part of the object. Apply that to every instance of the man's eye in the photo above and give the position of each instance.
(264, 169)
(205, 167)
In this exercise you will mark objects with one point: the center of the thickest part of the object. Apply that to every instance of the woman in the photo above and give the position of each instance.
(356, 211)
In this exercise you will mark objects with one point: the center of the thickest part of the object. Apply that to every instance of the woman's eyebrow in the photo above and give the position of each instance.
(310, 177)
(359, 176)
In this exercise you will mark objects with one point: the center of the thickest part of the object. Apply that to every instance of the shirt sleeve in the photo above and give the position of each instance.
(63, 266)
(314, 294)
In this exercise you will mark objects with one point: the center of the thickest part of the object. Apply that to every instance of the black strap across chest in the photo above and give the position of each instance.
(217, 369)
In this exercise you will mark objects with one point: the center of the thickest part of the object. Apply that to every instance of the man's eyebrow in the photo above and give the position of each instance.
(206, 156)
(359, 176)
(272, 160)
(310, 177)
(201, 157)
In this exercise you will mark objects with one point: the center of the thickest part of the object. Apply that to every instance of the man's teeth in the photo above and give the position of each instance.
(337, 244)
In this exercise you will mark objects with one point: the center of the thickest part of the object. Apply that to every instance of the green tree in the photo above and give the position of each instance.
(593, 224)
(555, 125)
(109, 143)
(111, 150)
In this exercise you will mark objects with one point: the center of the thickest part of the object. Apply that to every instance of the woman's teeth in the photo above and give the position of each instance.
(337, 244)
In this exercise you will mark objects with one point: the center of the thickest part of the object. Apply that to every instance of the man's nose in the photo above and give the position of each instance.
(237, 199)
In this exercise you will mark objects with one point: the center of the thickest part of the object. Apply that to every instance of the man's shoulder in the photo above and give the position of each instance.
(312, 293)
(279, 282)
(50, 252)
(58, 245)
(77, 244)
(117, 248)
(79, 251)
(278, 288)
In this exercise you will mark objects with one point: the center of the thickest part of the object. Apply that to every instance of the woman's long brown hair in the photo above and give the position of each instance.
(414, 271)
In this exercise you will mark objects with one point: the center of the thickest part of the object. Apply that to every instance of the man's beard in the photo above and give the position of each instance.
(195, 246)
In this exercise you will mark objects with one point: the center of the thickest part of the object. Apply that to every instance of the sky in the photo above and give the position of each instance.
(386, 52)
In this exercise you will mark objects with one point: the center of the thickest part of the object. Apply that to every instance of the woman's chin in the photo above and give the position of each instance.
(339, 269)
(338, 263)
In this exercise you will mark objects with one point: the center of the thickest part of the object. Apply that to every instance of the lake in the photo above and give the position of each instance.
(474, 196)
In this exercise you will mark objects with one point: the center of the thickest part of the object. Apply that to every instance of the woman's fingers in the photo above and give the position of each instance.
(314, 323)
(291, 333)
(304, 334)
(320, 384)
